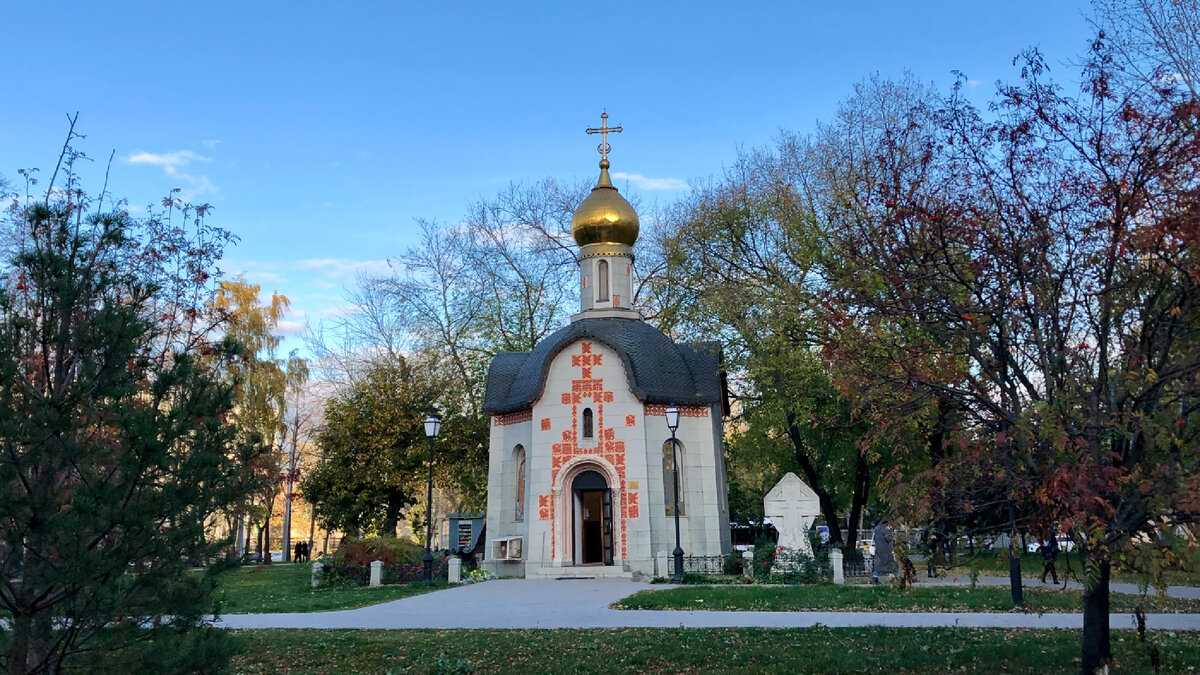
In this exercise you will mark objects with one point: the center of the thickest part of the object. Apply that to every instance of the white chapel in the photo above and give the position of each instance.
(580, 469)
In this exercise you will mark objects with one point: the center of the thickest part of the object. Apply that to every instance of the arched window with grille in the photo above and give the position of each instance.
(589, 423)
(668, 464)
(519, 468)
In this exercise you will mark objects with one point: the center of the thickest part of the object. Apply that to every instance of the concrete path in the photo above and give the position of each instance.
(1186, 592)
(584, 603)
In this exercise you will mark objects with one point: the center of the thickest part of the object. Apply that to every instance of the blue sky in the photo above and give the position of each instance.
(321, 131)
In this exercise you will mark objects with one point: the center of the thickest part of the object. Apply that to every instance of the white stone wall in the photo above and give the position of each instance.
(502, 483)
(704, 522)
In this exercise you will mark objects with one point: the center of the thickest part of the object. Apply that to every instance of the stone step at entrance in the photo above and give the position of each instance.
(579, 572)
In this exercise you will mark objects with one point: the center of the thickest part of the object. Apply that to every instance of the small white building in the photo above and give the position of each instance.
(580, 461)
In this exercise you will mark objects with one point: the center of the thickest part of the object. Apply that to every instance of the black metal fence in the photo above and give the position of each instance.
(360, 575)
(856, 567)
(710, 564)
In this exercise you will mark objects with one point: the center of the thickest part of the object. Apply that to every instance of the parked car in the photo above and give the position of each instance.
(1065, 544)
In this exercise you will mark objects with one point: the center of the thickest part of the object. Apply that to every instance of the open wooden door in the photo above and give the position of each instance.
(608, 528)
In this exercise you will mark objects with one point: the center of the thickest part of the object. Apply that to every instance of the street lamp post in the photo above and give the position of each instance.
(432, 426)
(673, 425)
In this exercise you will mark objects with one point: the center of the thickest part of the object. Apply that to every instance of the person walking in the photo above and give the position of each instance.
(931, 558)
(1049, 551)
(297, 554)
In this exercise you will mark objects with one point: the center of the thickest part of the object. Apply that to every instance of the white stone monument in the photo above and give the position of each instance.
(792, 506)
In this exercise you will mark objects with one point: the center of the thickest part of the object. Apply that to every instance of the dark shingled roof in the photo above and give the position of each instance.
(659, 370)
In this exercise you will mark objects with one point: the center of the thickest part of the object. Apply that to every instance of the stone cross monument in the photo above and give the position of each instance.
(792, 506)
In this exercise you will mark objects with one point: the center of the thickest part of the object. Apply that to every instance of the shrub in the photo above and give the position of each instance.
(764, 558)
(357, 552)
(802, 568)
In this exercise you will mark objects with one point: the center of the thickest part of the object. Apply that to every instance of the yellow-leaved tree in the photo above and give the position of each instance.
(260, 385)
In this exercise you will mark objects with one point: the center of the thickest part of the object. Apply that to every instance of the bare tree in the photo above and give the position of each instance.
(1159, 40)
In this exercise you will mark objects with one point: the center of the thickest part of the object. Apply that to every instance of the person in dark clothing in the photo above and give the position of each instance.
(296, 555)
(1049, 551)
(307, 552)
(931, 558)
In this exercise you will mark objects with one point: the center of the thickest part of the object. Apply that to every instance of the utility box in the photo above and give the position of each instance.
(508, 548)
(466, 533)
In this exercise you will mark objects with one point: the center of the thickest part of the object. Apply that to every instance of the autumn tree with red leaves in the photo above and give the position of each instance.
(1050, 269)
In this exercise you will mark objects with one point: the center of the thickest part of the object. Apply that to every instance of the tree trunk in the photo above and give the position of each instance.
(814, 482)
(286, 535)
(312, 528)
(1014, 561)
(18, 653)
(862, 484)
(1097, 647)
(392, 519)
(240, 543)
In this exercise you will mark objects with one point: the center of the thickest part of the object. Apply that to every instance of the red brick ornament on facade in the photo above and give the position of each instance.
(607, 447)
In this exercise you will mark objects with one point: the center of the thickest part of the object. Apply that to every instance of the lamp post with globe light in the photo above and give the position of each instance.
(673, 425)
(432, 426)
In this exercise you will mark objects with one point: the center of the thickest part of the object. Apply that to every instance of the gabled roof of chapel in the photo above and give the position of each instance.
(658, 370)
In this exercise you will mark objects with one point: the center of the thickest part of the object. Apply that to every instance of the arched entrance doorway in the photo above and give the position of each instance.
(593, 521)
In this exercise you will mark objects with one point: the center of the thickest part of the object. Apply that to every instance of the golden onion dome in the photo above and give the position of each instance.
(604, 217)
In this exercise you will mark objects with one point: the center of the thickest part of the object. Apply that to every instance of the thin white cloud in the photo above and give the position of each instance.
(291, 327)
(974, 83)
(171, 162)
(209, 143)
(646, 183)
(167, 160)
(343, 269)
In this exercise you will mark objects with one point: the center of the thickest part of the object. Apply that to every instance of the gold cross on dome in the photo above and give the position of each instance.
(604, 131)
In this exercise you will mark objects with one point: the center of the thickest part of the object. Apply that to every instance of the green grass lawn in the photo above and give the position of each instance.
(288, 588)
(882, 598)
(995, 563)
(725, 650)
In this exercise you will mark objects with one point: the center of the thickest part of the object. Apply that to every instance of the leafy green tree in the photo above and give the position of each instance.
(114, 453)
(374, 448)
(750, 251)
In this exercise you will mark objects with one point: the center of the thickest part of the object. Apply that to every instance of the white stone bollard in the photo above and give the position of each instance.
(455, 570)
(661, 568)
(377, 573)
(835, 561)
(318, 571)
(748, 564)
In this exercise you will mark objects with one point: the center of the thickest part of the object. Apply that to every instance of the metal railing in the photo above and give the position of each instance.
(360, 575)
(704, 564)
(858, 567)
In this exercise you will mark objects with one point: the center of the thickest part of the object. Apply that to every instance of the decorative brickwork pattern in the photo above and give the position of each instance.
(512, 418)
(545, 507)
(631, 420)
(656, 410)
(545, 424)
(630, 508)
(607, 447)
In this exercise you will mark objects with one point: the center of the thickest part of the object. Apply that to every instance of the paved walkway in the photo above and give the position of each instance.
(583, 603)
